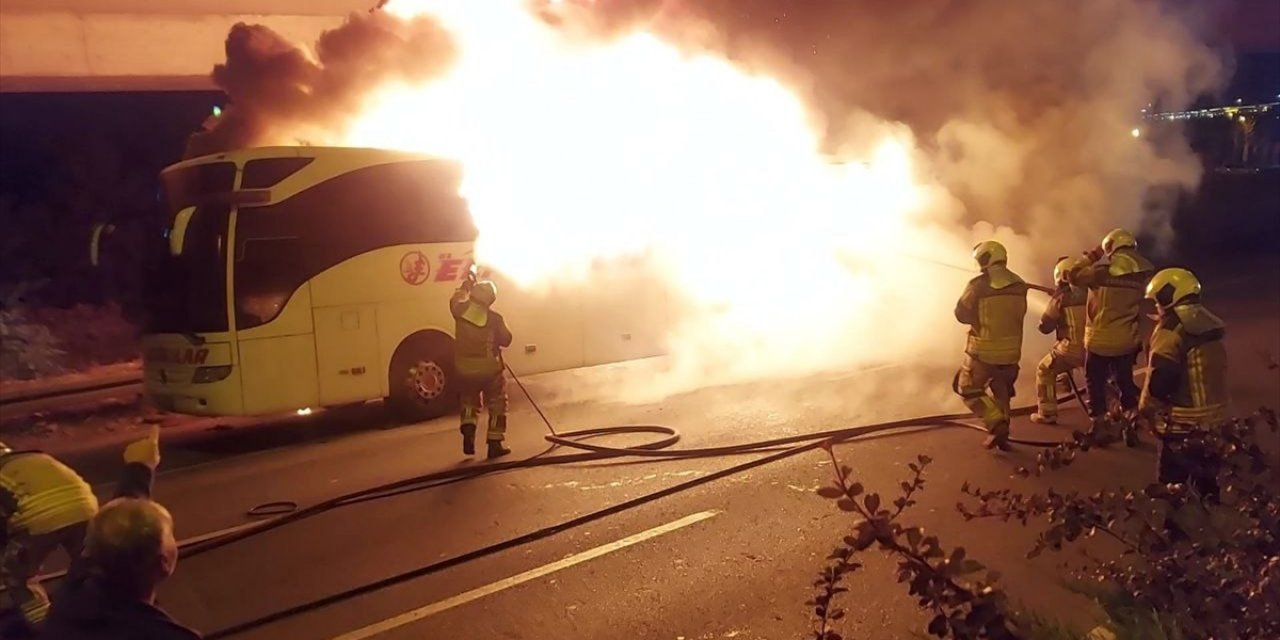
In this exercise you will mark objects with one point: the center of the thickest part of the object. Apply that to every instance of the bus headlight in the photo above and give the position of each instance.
(211, 374)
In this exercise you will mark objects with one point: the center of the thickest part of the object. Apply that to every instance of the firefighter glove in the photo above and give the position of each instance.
(145, 451)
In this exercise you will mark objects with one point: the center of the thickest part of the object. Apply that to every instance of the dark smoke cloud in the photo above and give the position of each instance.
(277, 90)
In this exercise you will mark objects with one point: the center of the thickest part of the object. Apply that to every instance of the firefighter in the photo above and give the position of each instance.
(480, 336)
(1186, 388)
(1115, 275)
(994, 305)
(1064, 317)
(44, 505)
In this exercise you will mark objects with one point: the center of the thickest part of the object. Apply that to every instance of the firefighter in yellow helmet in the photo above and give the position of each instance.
(1115, 275)
(44, 505)
(1186, 388)
(480, 335)
(994, 305)
(1064, 317)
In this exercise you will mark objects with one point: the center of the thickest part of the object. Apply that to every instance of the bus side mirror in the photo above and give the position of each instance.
(178, 234)
(95, 242)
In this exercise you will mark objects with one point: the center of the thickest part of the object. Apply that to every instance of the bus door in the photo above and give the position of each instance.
(346, 354)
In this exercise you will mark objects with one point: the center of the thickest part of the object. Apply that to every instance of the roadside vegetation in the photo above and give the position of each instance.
(38, 341)
(1217, 576)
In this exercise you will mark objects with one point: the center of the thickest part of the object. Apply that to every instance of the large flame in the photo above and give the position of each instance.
(580, 152)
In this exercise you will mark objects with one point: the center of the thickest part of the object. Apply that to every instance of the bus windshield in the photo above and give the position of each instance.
(187, 265)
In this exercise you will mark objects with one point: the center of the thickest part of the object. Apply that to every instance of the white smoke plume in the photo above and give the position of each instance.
(807, 175)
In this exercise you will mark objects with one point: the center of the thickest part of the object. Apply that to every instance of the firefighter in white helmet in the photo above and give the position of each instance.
(479, 338)
(1064, 317)
(1186, 388)
(994, 305)
(1115, 275)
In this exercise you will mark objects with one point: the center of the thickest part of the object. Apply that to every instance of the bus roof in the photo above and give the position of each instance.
(352, 156)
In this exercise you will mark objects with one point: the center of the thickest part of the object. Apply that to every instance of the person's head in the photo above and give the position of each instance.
(988, 253)
(1118, 239)
(131, 542)
(1171, 287)
(484, 293)
(1064, 267)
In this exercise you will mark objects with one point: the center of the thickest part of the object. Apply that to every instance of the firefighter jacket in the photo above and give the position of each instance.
(1116, 287)
(1188, 368)
(994, 305)
(1065, 317)
(480, 335)
(40, 495)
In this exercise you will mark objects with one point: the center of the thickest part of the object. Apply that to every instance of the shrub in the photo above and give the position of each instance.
(90, 334)
(27, 348)
(1192, 566)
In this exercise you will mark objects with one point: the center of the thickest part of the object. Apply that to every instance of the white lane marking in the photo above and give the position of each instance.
(533, 574)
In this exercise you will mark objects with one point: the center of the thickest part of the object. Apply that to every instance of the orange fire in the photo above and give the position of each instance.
(580, 152)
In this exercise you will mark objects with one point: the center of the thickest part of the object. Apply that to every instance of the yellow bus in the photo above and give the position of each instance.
(297, 277)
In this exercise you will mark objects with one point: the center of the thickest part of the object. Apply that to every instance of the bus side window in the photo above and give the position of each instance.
(265, 278)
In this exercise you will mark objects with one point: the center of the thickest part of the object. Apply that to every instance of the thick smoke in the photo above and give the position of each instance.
(281, 94)
(1024, 108)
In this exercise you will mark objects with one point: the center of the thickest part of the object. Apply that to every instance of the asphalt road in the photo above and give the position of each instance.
(733, 558)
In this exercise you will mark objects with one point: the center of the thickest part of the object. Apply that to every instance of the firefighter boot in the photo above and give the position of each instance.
(469, 439)
(496, 450)
(999, 438)
(1130, 427)
(1100, 431)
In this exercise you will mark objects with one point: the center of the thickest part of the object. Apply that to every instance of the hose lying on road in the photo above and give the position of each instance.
(775, 448)
(281, 513)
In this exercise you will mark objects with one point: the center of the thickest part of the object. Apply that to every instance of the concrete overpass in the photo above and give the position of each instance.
(140, 45)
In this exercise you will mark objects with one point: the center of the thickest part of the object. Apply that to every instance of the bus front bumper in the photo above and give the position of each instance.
(168, 392)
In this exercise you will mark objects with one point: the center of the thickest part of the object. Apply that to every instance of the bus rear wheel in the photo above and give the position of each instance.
(421, 378)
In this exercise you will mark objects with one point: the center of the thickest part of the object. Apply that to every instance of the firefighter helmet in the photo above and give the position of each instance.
(484, 293)
(1118, 239)
(989, 252)
(1171, 286)
(1065, 266)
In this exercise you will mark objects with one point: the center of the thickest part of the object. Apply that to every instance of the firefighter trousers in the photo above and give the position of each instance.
(1053, 365)
(987, 389)
(25, 554)
(489, 392)
(1100, 370)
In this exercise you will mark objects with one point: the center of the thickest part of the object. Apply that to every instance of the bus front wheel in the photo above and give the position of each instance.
(421, 377)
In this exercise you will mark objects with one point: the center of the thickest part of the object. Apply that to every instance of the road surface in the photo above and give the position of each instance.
(733, 558)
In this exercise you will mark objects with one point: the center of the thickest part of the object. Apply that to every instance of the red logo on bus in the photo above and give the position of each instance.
(452, 268)
(414, 268)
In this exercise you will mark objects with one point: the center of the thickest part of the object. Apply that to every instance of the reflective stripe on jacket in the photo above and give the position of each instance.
(478, 348)
(1116, 288)
(41, 495)
(994, 305)
(1188, 368)
(1065, 316)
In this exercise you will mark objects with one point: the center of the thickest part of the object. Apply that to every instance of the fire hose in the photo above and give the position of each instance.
(282, 513)
(776, 449)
